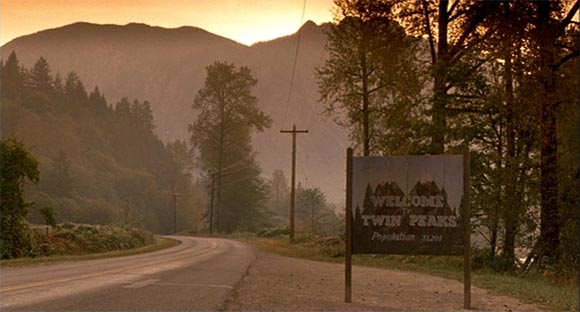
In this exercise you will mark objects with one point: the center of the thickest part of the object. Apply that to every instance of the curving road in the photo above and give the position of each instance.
(197, 275)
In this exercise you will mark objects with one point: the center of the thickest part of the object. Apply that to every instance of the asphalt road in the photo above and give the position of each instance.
(197, 275)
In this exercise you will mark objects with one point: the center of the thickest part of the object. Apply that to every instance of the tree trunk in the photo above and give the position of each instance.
(365, 100)
(550, 217)
(218, 216)
(511, 200)
(495, 212)
(438, 110)
(493, 239)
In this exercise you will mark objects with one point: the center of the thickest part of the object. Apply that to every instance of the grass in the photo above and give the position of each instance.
(530, 287)
(159, 244)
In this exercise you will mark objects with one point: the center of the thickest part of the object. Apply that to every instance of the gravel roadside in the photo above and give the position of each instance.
(277, 283)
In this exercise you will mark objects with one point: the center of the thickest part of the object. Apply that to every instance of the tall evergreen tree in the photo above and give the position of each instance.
(280, 195)
(97, 103)
(227, 115)
(61, 178)
(40, 78)
(12, 78)
(118, 160)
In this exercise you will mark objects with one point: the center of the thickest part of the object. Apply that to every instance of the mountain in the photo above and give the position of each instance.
(167, 68)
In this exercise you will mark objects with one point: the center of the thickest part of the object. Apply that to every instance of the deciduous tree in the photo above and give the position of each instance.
(371, 68)
(17, 167)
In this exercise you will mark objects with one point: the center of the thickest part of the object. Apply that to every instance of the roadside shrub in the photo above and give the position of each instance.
(74, 239)
(329, 242)
(305, 238)
(274, 232)
(483, 259)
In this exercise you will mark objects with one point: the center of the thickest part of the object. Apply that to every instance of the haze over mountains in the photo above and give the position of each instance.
(167, 67)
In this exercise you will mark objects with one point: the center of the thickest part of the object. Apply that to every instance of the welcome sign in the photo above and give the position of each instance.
(407, 205)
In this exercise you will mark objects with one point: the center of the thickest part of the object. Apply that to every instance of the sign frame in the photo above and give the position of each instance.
(465, 213)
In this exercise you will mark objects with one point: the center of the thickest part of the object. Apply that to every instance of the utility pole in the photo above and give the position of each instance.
(294, 132)
(174, 196)
(126, 212)
(211, 204)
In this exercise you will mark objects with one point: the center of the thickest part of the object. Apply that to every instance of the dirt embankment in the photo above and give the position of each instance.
(277, 283)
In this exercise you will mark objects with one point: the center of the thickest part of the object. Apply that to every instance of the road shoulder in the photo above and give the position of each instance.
(277, 283)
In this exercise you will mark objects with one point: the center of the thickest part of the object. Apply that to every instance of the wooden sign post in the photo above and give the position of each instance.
(466, 230)
(348, 241)
(416, 205)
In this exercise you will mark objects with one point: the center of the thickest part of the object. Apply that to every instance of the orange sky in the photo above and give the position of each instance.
(246, 21)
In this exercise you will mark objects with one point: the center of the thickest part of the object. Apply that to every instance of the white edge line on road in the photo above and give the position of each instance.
(197, 285)
(142, 283)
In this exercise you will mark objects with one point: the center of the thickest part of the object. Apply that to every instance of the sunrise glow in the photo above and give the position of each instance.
(245, 21)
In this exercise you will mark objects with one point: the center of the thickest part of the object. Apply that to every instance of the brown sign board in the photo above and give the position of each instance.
(408, 205)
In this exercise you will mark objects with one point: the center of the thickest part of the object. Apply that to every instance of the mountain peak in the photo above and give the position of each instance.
(309, 25)
(138, 25)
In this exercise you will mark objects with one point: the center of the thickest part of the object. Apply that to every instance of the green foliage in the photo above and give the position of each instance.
(501, 78)
(59, 178)
(12, 78)
(310, 205)
(313, 213)
(484, 259)
(279, 199)
(40, 79)
(273, 232)
(99, 163)
(49, 215)
(370, 78)
(77, 239)
(18, 166)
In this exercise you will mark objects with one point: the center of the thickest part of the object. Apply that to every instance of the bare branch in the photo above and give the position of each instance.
(429, 32)
(480, 14)
(377, 88)
(453, 7)
(459, 52)
(566, 21)
(567, 58)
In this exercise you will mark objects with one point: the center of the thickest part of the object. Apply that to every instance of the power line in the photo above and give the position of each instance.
(294, 66)
(226, 169)
(313, 111)
(232, 168)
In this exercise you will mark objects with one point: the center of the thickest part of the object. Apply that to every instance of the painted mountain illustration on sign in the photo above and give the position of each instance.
(388, 189)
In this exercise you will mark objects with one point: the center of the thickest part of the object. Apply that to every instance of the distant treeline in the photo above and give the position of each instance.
(99, 163)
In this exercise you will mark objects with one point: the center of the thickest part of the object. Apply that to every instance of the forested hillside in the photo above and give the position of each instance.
(100, 162)
(167, 67)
